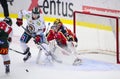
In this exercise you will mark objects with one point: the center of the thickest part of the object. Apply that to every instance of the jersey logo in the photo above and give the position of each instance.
(31, 28)
(3, 51)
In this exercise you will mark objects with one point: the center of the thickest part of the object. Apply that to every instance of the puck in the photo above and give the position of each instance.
(27, 70)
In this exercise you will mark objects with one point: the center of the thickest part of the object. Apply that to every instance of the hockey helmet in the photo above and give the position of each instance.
(8, 21)
(36, 10)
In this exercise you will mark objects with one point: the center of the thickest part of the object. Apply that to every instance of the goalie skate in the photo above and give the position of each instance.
(77, 61)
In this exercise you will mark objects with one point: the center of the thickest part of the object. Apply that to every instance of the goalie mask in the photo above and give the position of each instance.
(35, 13)
(57, 23)
(8, 21)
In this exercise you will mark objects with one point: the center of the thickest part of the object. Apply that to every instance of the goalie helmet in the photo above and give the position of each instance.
(57, 23)
(8, 21)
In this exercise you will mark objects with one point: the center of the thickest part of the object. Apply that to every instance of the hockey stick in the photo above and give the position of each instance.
(47, 30)
(49, 53)
(17, 51)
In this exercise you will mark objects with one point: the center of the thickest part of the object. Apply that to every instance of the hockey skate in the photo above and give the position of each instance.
(28, 55)
(7, 69)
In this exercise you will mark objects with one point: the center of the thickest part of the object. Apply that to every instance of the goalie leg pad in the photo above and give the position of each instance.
(44, 58)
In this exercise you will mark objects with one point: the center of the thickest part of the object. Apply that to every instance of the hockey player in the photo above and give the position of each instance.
(5, 7)
(35, 28)
(61, 33)
(5, 39)
(64, 38)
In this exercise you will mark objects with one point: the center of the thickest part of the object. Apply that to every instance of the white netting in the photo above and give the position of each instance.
(97, 33)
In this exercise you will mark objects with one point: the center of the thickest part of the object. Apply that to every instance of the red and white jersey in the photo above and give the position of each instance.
(59, 36)
(36, 26)
(7, 29)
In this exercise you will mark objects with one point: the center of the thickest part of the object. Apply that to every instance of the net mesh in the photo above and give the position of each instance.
(97, 33)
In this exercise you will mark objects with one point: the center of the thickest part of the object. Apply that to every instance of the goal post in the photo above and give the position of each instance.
(97, 33)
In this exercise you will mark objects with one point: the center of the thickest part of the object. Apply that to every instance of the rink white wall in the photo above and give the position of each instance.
(65, 8)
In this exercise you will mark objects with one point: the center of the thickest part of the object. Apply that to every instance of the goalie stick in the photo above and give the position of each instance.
(49, 53)
(52, 55)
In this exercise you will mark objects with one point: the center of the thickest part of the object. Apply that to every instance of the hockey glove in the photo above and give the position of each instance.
(75, 38)
(37, 39)
(9, 39)
(19, 22)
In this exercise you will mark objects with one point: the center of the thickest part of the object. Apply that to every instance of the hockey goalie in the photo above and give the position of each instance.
(63, 43)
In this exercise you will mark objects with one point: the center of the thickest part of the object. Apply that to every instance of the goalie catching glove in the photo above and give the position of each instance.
(19, 21)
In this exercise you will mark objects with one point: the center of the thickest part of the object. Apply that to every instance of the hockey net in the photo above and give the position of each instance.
(97, 33)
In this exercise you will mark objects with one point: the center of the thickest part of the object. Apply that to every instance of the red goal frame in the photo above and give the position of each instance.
(101, 15)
